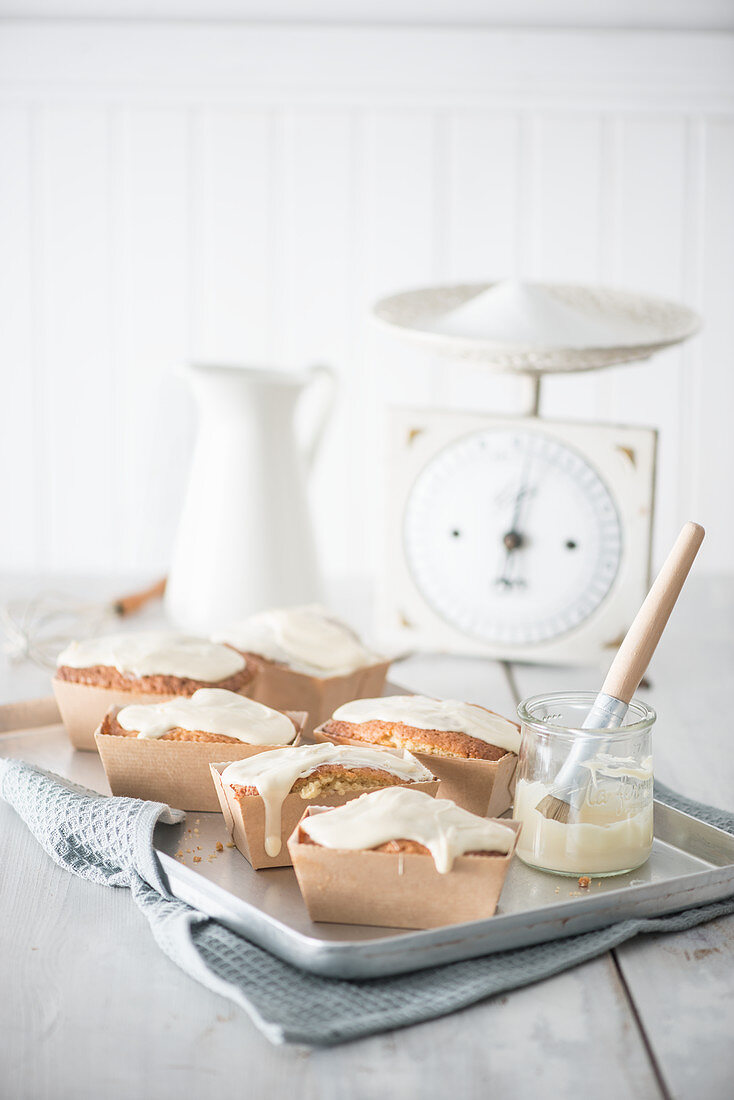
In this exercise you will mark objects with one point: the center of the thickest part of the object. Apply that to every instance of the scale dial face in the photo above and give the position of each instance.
(511, 536)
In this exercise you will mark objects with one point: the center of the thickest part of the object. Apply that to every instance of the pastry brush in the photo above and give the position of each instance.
(626, 671)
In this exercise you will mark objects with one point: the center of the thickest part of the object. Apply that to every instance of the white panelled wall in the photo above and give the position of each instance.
(170, 192)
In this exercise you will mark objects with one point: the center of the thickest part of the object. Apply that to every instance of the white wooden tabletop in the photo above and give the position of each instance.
(90, 1007)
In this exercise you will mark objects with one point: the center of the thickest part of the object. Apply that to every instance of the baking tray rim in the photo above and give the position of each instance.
(396, 954)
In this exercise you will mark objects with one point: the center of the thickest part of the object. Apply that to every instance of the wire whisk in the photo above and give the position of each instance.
(37, 629)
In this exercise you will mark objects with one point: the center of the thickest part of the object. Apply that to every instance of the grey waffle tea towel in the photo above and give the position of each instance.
(110, 841)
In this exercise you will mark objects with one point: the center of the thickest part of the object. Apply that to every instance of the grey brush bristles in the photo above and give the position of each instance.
(555, 809)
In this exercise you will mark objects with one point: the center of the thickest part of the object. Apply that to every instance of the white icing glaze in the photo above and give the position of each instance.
(212, 710)
(307, 639)
(274, 773)
(423, 713)
(612, 830)
(399, 814)
(607, 766)
(155, 653)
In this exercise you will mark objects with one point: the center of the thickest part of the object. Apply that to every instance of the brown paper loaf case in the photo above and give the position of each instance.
(83, 706)
(176, 772)
(484, 787)
(396, 890)
(283, 688)
(245, 817)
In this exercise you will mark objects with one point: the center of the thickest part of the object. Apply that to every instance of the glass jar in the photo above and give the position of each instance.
(604, 823)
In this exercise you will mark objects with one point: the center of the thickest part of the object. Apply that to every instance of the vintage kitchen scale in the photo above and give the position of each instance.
(518, 537)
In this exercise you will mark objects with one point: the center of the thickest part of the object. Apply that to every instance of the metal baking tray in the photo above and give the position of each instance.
(691, 864)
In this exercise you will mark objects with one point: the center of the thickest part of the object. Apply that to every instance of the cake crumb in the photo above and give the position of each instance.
(230, 844)
(220, 846)
(198, 847)
(179, 853)
(196, 832)
(197, 859)
(188, 851)
(584, 881)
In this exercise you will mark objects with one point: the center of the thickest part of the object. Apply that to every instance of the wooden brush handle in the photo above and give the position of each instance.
(635, 652)
(128, 605)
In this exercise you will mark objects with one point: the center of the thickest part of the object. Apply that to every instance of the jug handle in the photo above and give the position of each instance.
(325, 378)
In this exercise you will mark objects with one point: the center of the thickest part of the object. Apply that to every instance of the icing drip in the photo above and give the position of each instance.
(307, 639)
(423, 713)
(399, 814)
(274, 773)
(212, 710)
(155, 653)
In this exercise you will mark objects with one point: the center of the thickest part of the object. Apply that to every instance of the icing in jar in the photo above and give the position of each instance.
(609, 827)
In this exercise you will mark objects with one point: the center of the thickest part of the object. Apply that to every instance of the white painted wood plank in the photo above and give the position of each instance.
(75, 397)
(481, 217)
(652, 179)
(481, 228)
(474, 679)
(683, 988)
(233, 225)
(543, 1038)
(398, 248)
(20, 442)
(64, 1012)
(401, 194)
(692, 292)
(316, 315)
(316, 236)
(580, 70)
(712, 457)
(421, 160)
(153, 251)
(648, 255)
(400, 240)
(565, 190)
(672, 14)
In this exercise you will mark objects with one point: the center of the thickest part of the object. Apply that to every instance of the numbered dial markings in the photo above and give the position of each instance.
(512, 537)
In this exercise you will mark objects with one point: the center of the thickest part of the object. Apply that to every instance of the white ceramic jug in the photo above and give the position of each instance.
(245, 541)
